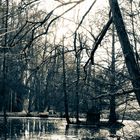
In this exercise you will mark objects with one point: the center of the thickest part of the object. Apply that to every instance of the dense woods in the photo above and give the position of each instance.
(77, 59)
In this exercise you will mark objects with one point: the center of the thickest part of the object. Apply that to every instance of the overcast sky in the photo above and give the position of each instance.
(50, 4)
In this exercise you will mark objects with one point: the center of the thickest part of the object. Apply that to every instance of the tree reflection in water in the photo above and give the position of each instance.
(26, 127)
(56, 129)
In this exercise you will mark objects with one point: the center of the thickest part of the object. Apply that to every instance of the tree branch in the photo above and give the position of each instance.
(98, 41)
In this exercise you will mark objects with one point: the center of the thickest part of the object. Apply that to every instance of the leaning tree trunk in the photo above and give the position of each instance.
(127, 49)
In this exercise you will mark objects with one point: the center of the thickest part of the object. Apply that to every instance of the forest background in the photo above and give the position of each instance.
(72, 57)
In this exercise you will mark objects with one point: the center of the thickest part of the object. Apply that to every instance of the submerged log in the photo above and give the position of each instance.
(43, 114)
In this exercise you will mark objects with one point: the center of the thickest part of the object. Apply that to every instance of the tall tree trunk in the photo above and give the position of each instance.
(64, 89)
(127, 49)
(112, 116)
(77, 87)
(77, 59)
(4, 44)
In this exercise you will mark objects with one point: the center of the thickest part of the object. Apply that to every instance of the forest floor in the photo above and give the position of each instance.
(24, 114)
(127, 115)
(129, 112)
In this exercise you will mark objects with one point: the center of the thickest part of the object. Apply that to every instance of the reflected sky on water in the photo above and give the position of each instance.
(56, 129)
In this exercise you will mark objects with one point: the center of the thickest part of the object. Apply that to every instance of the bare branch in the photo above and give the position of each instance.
(98, 41)
(106, 95)
(85, 15)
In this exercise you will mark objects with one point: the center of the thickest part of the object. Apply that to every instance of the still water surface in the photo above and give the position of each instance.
(56, 129)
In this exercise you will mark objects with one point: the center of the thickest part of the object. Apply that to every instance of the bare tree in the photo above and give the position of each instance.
(64, 88)
(127, 48)
(112, 116)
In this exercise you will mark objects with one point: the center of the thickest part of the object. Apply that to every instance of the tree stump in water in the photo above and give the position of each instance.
(93, 116)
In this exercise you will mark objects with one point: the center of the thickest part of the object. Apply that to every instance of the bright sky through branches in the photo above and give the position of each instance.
(73, 15)
(50, 4)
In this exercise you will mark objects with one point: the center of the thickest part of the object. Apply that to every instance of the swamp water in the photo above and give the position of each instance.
(56, 129)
